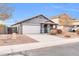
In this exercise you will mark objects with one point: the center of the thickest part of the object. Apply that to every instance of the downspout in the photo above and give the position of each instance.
(21, 29)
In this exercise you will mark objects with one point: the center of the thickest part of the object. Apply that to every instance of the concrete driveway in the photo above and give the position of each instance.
(55, 40)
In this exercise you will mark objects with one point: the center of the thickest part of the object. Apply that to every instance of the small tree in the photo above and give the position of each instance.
(5, 12)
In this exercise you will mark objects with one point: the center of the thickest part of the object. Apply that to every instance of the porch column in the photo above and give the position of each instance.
(41, 28)
(55, 26)
(21, 30)
(48, 27)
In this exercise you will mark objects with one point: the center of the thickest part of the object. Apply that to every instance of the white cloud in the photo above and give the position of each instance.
(65, 9)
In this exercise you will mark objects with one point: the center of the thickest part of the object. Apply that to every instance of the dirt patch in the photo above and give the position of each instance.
(20, 39)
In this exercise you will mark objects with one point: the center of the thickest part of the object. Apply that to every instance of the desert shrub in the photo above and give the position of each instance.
(68, 36)
(59, 31)
(53, 32)
(77, 31)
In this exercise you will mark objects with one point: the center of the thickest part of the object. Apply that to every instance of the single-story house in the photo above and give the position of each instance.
(36, 24)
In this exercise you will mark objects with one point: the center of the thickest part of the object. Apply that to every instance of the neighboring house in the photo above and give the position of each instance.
(3, 28)
(37, 24)
(65, 21)
(62, 19)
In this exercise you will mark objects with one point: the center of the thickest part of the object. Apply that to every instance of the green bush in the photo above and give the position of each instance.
(53, 32)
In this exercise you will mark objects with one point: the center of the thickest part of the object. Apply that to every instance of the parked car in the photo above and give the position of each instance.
(74, 28)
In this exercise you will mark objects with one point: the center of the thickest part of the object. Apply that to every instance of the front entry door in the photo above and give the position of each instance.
(45, 28)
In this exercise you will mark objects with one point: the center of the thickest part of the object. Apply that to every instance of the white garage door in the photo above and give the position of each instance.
(30, 29)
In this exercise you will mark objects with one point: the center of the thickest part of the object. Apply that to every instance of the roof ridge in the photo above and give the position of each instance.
(57, 16)
(32, 18)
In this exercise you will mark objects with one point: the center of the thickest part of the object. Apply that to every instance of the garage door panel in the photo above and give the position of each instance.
(31, 29)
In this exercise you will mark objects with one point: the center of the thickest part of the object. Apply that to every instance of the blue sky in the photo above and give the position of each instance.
(26, 10)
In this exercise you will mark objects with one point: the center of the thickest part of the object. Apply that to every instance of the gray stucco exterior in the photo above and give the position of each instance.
(34, 21)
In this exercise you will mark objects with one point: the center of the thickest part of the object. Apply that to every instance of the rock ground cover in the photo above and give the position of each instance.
(20, 39)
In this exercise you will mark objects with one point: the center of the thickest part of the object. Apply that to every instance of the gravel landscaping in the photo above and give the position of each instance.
(20, 39)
